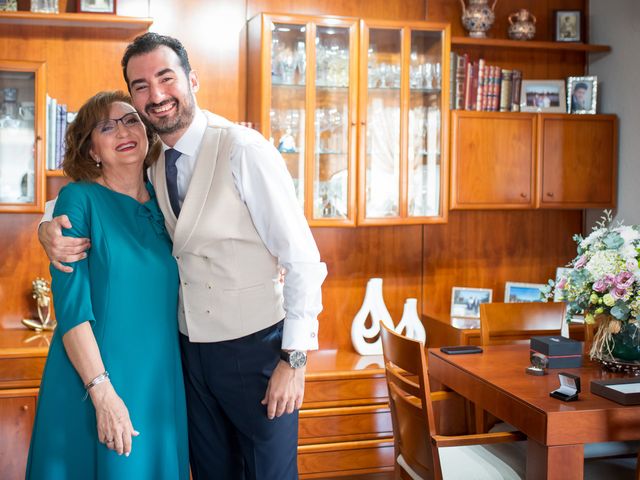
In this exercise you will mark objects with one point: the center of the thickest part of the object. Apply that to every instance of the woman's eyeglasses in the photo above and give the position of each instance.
(109, 126)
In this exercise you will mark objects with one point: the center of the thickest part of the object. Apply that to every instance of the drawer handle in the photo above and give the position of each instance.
(549, 194)
(25, 408)
(523, 195)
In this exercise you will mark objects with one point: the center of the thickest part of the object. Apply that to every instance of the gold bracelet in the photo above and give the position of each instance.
(103, 377)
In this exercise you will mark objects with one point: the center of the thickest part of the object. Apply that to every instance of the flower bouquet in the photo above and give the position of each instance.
(603, 282)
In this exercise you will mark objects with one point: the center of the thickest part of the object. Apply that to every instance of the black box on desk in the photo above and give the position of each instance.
(557, 351)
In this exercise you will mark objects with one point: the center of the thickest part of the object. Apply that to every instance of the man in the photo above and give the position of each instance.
(231, 210)
(579, 97)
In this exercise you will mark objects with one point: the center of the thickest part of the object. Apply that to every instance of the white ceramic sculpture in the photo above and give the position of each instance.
(373, 305)
(410, 322)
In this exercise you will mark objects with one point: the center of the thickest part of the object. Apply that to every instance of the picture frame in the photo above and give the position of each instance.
(465, 301)
(543, 96)
(568, 26)
(8, 5)
(582, 94)
(560, 272)
(96, 6)
(516, 292)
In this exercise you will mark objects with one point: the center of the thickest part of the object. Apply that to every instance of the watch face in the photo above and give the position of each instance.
(297, 359)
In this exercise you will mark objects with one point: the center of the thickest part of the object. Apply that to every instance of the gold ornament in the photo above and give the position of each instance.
(42, 294)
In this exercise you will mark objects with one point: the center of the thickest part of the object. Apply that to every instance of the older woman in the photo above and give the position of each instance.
(117, 340)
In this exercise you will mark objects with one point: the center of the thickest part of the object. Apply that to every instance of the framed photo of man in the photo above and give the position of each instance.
(96, 6)
(582, 93)
(568, 26)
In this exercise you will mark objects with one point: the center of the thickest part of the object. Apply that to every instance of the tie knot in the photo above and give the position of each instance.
(171, 156)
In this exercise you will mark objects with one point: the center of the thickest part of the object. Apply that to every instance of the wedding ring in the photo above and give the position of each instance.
(109, 441)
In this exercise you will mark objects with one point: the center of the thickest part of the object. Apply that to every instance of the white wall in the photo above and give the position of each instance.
(617, 23)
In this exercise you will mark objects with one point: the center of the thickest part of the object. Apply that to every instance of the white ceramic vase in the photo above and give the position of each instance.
(373, 305)
(410, 322)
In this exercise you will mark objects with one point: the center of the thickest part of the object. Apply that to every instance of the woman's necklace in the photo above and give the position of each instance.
(140, 194)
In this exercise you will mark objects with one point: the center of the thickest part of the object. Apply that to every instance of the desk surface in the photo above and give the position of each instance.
(495, 380)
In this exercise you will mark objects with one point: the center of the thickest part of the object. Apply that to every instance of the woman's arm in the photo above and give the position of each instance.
(114, 425)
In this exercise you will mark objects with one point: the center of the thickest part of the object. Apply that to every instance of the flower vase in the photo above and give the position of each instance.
(410, 322)
(366, 340)
(616, 345)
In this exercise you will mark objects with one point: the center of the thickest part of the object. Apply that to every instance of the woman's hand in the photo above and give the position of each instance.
(114, 426)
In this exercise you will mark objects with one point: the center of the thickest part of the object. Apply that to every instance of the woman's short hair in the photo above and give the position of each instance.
(77, 162)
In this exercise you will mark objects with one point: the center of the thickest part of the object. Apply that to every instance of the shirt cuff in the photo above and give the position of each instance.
(48, 211)
(300, 335)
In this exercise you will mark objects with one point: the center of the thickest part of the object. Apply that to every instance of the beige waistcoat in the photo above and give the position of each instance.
(229, 284)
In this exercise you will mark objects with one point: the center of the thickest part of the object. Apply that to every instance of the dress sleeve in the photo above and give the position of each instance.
(72, 291)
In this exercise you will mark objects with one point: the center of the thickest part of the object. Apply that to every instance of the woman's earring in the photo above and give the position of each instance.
(98, 162)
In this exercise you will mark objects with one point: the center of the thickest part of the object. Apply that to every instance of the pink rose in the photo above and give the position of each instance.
(600, 286)
(609, 280)
(562, 283)
(618, 293)
(581, 262)
(624, 280)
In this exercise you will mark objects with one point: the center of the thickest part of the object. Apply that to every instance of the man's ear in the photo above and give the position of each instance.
(193, 81)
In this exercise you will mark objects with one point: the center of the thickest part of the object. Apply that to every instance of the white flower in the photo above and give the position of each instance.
(628, 234)
(593, 237)
(603, 262)
(627, 252)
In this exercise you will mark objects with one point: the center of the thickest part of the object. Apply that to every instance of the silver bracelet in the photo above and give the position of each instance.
(103, 377)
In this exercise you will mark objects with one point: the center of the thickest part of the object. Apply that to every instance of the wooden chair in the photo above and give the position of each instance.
(417, 445)
(511, 322)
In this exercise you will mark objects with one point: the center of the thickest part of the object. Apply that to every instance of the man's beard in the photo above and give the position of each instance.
(182, 119)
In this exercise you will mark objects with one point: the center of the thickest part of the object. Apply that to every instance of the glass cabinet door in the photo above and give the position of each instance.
(403, 94)
(382, 100)
(334, 122)
(289, 99)
(21, 132)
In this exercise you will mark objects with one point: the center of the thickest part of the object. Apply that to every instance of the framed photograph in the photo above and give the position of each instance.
(543, 96)
(8, 5)
(97, 6)
(560, 272)
(582, 93)
(568, 26)
(515, 292)
(465, 302)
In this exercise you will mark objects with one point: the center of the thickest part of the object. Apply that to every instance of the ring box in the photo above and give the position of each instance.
(569, 387)
(559, 352)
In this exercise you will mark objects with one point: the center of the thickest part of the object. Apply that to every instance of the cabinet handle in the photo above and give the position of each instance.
(523, 195)
(25, 408)
(549, 194)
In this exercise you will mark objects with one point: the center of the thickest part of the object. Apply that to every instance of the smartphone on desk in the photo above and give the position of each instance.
(461, 350)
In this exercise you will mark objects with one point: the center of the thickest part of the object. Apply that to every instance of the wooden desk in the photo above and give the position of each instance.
(496, 381)
(22, 357)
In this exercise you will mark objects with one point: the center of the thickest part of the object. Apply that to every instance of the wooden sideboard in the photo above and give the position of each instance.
(345, 424)
(22, 357)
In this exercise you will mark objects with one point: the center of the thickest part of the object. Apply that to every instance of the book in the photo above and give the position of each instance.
(461, 73)
(497, 78)
(505, 91)
(453, 63)
(53, 134)
(467, 86)
(481, 90)
(516, 85)
(61, 127)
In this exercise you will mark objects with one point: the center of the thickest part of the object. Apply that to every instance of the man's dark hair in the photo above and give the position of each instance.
(148, 42)
(581, 85)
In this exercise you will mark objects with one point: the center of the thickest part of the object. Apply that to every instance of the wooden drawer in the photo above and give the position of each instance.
(23, 371)
(345, 391)
(328, 425)
(16, 422)
(348, 458)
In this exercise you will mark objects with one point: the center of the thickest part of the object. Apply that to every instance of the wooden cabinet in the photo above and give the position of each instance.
(359, 112)
(22, 357)
(492, 160)
(532, 160)
(577, 161)
(345, 423)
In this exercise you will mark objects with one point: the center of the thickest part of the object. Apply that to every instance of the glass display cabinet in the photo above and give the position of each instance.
(358, 112)
(303, 99)
(404, 94)
(22, 107)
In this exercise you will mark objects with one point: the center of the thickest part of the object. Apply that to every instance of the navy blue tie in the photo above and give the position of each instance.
(171, 171)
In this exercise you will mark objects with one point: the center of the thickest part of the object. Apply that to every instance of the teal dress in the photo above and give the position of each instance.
(127, 288)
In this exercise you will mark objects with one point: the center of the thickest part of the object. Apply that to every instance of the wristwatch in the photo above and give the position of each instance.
(295, 359)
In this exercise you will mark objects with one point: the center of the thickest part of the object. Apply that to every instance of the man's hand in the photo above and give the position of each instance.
(285, 390)
(60, 248)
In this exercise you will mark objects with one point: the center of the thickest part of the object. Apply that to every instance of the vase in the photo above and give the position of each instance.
(478, 18)
(626, 343)
(523, 27)
(410, 322)
(366, 340)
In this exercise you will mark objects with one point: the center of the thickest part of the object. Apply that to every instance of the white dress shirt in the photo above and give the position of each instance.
(265, 186)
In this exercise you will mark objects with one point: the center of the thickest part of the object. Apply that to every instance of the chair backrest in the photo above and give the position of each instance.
(511, 322)
(410, 401)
